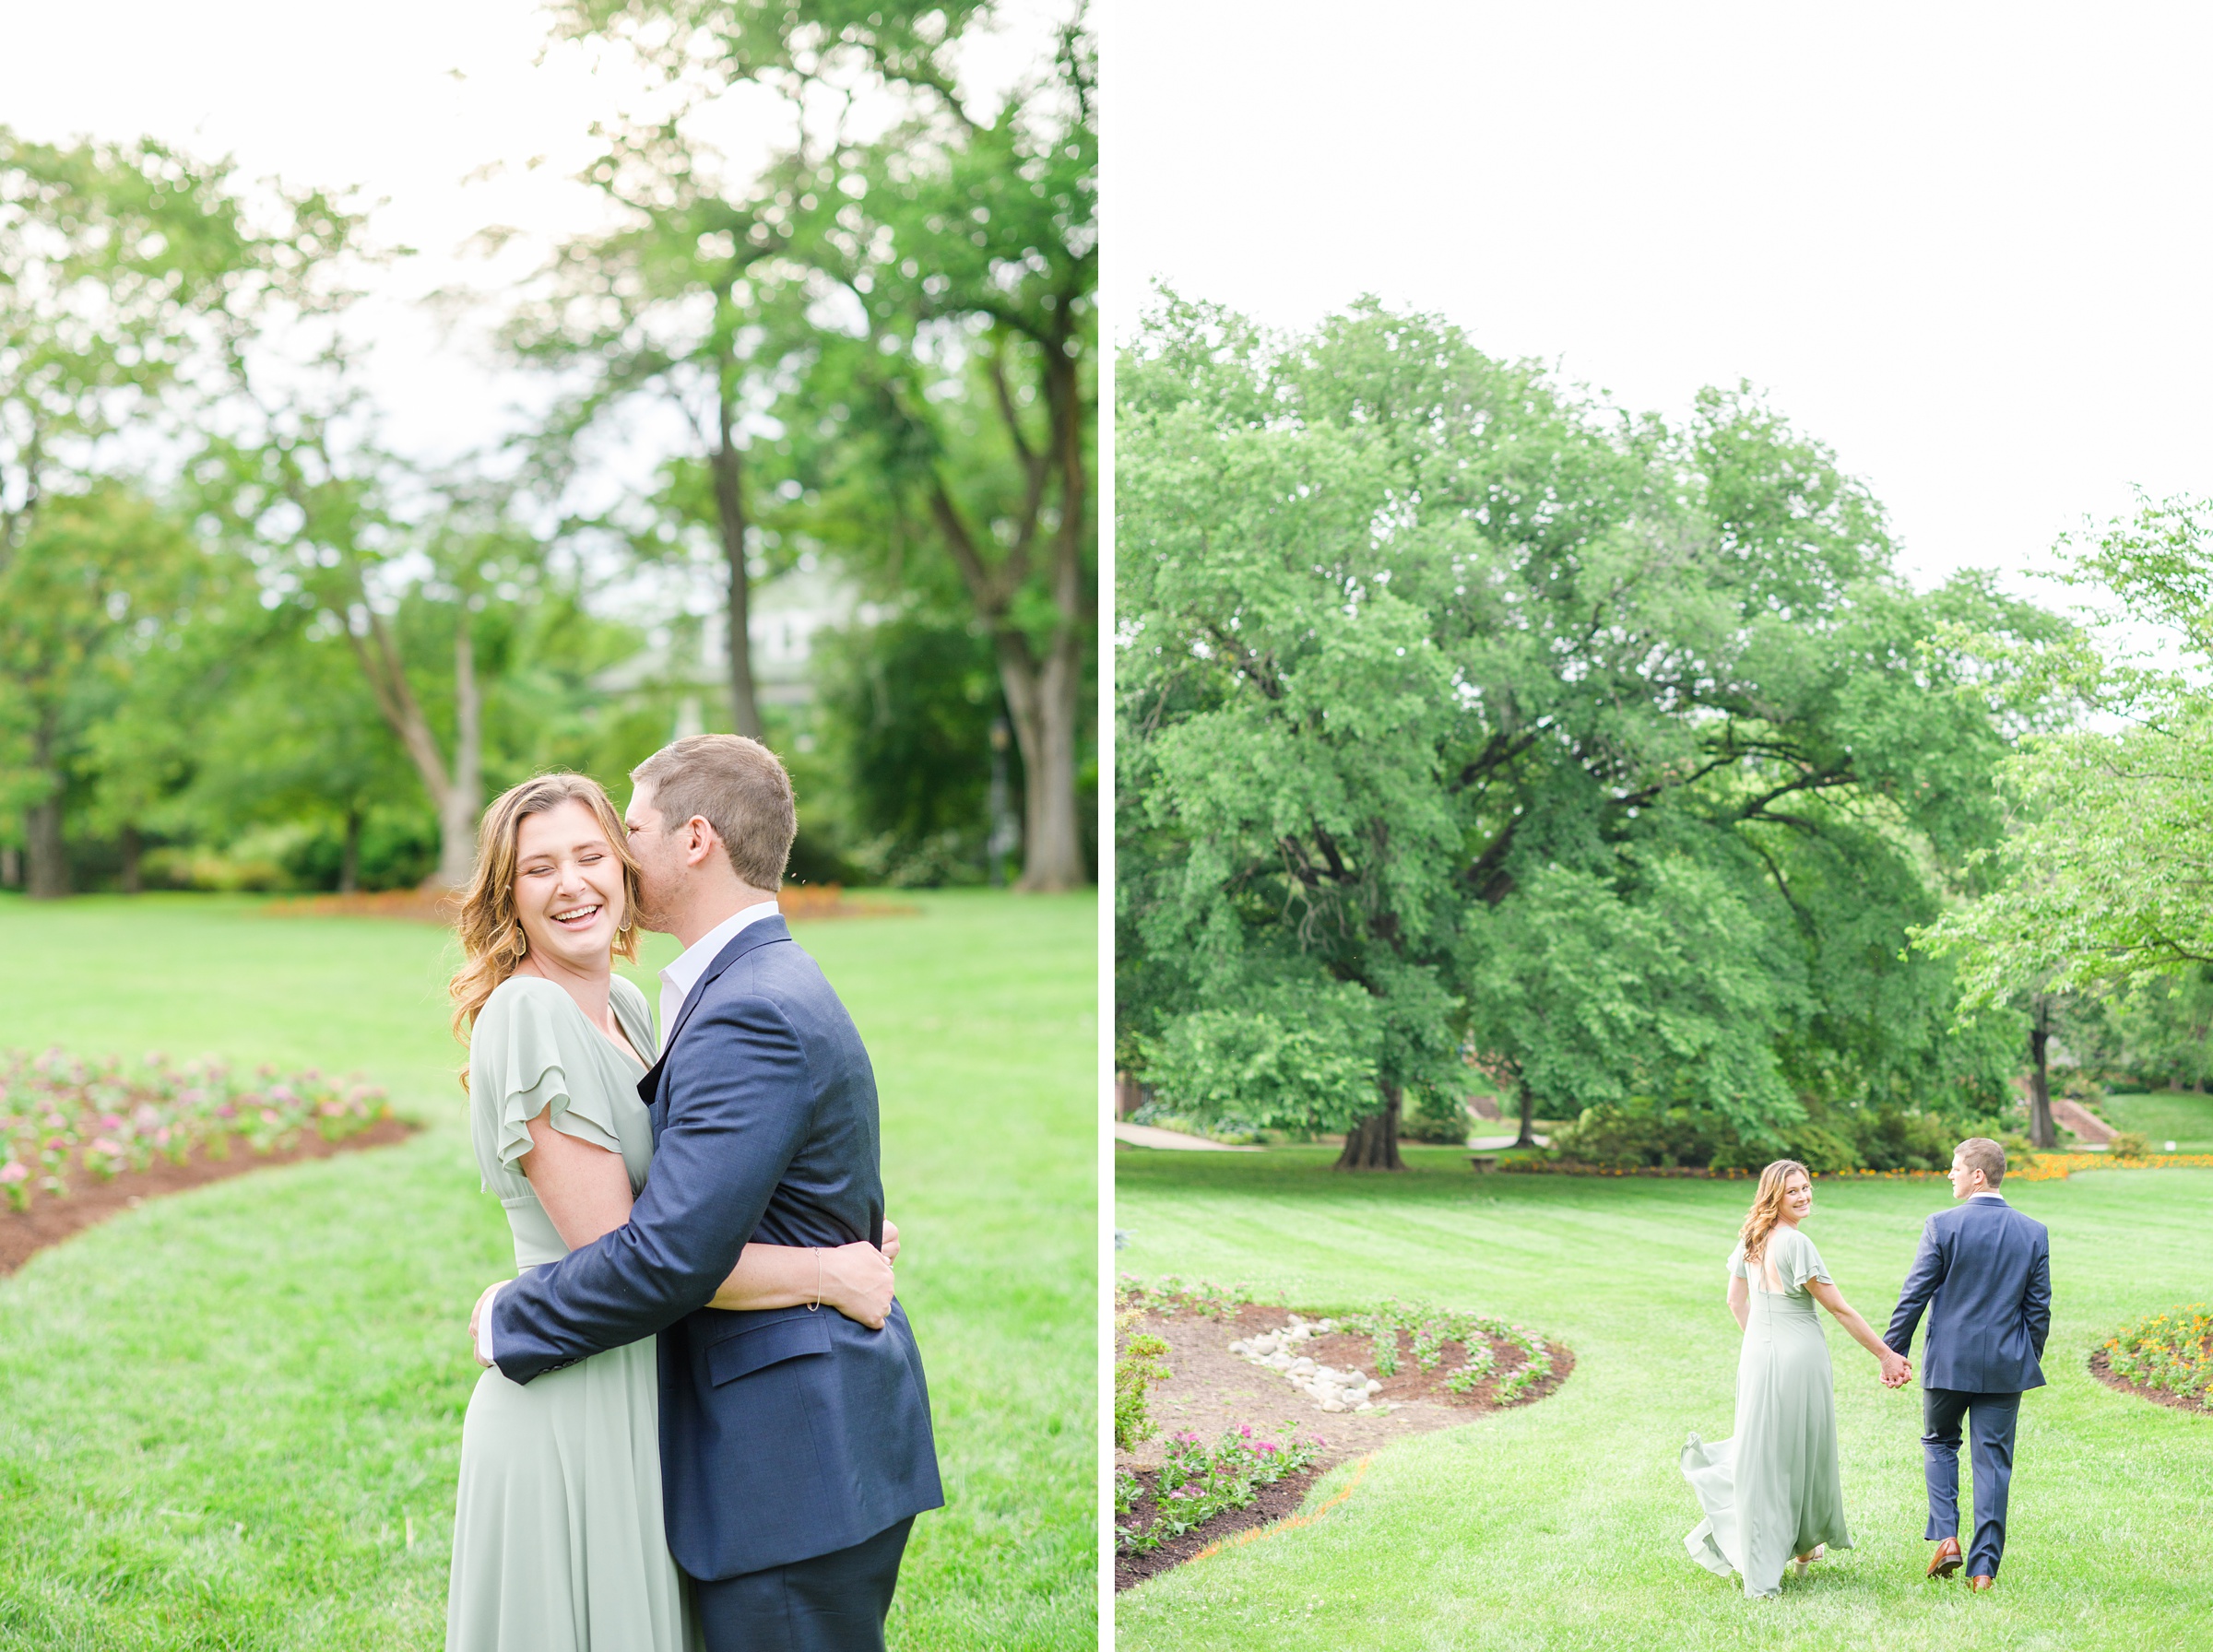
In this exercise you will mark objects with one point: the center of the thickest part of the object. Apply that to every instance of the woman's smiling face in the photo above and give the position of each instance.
(568, 887)
(1797, 1196)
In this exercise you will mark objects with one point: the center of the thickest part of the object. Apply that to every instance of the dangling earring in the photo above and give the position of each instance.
(521, 943)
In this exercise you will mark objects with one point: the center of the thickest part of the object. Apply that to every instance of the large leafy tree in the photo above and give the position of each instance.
(1457, 708)
(2104, 875)
(132, 281)
(100, 574)
(913, 278)
(2101, 884)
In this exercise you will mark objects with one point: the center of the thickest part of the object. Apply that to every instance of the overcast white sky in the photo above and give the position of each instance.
(407, 99)
(1966, 246)
(403, 100)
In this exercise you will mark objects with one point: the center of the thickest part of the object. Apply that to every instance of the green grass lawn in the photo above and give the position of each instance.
(231, 1417)
(1561, 1525)
(2164, 1116)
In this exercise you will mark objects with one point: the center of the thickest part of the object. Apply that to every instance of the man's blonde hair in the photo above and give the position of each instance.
(1980, 1153)
(739, 788)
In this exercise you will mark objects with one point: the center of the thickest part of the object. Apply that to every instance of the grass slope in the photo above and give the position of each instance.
(231, 1419)
(2164, 1116)
(1562, 1526)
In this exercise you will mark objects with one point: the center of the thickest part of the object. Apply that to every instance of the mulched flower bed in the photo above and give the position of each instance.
(81, 1138)
(1211, 1389)
(2167, 1358)
(1270, 1503)
(49, 1220)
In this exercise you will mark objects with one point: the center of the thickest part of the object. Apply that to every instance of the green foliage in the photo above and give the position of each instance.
(1196, 1481)
(2171, 1351)
(885, 339)
(906, 717)
(1455, 706)
(1438, 1117)
(2100, 880)
(1868, 1137)
(1140, 1366)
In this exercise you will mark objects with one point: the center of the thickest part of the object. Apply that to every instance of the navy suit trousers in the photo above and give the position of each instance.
(835, 1602)
(1990, 1419)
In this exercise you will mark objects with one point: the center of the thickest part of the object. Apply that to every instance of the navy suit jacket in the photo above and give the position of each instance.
(1984, 1274)
(786, 1434)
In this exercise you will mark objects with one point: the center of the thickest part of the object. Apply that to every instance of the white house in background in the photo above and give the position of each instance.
(693, 657)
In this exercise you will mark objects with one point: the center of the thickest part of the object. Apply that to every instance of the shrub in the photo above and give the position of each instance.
(2128, 1144)
(1889, 1139)
(2172, 1350)
(1619, 1139)
(1440, 1120)
(1139, 1365)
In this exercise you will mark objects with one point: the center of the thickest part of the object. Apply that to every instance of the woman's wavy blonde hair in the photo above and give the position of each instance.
(492, 941)
(1766, 1205)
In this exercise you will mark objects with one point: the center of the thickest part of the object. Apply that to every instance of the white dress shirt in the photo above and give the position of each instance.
(1989, 1193)
(677, 982)
(681, 977)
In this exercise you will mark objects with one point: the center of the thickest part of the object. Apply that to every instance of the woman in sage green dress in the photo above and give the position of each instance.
(558, 1537)
(1772, 1492)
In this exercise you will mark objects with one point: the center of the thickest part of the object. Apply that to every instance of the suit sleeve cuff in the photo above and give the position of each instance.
(484, 1326)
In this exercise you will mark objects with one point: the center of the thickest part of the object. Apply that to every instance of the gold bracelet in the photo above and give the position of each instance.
(817, 1280)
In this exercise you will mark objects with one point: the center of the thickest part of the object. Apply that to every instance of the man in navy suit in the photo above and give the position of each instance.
(1985, 1275)
(796, 1445)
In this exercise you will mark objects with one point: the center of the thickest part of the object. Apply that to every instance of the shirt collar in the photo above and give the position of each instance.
(682, 975)
(1986, 1193)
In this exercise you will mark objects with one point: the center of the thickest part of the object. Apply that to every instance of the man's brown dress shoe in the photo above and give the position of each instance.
(1945, 1561)
(1980, 1582)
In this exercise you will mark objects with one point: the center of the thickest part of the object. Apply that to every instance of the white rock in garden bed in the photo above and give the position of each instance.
(1332, 1390)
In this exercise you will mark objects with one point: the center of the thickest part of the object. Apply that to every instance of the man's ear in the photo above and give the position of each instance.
(700, 842)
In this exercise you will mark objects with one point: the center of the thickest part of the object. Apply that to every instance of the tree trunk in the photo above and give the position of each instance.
(11, 867)
(2040, 1131)
(129, 879)
(726, 464)
(349, 858)
(1373, 1143)
(1042, 705)
(464, 798)
(49, 858)
(1528, 1137)
(456, 797)
(1044, 698)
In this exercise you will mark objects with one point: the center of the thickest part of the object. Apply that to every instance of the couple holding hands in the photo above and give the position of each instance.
(1772, 1493)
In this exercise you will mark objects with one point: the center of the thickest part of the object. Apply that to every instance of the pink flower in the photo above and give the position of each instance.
(268, 1117)
(11, 1173)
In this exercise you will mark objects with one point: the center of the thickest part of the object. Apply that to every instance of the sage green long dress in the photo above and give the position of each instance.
(558, 1540)
(1772, 1491)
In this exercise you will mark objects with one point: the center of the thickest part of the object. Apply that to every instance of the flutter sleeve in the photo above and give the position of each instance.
(1799, 1262)
(1737, 1264)
(525, 1059)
